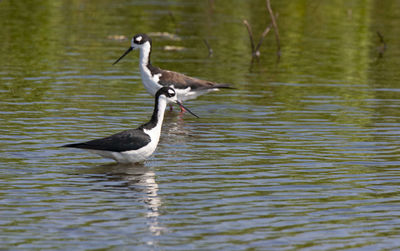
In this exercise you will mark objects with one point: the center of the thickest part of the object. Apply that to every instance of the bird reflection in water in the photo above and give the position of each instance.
(140, 179)
(175, 126)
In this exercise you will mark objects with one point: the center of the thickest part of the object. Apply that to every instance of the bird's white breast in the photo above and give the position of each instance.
(150, 82)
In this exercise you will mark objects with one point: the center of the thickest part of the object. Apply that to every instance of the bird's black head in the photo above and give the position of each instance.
(139, 41)
(171, 96)
(169, 92)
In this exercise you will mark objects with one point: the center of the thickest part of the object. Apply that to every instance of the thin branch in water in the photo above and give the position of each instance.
(171, 16)
(266, 31)
(211, 4)
(255, 50)
(382, 47)
(273, 19)
(250, 36)
(210, 50)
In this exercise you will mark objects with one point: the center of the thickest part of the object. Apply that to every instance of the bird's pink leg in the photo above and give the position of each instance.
(182, 110)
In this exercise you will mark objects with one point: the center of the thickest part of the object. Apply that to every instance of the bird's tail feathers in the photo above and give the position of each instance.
(75, 145)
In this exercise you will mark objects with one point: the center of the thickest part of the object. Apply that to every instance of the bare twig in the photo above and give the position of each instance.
(210, 50)
(211, 4)
(273, 19)
(380, 37)
(266, 31)
(171, 16)
(250, 36)
(382, 47)
(255, 50)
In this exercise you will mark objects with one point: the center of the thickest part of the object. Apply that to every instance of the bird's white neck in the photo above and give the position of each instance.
(149, 80)
(153, 128)
(145, 51)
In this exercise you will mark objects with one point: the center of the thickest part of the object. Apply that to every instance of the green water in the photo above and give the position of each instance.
(302, 155)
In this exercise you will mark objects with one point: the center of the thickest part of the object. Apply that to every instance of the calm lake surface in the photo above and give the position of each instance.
(304, 154)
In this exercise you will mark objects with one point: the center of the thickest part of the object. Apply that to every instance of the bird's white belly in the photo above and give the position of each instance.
(133, 156)
(188, 93)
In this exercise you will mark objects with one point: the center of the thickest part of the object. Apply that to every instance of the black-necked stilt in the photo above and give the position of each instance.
(154, 78)
(135, 145)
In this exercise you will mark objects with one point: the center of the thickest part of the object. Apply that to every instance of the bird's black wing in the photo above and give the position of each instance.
(123, 141)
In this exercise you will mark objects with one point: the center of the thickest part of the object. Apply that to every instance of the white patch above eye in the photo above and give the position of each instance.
(138, 39)
(171, 92)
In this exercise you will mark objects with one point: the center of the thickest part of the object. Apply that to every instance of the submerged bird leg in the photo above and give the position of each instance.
(182, 110)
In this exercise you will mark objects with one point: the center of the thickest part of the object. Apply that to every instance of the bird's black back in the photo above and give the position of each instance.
(120, 142)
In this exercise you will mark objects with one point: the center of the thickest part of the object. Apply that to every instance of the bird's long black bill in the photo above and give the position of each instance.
(181, 105)
(126, 53)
